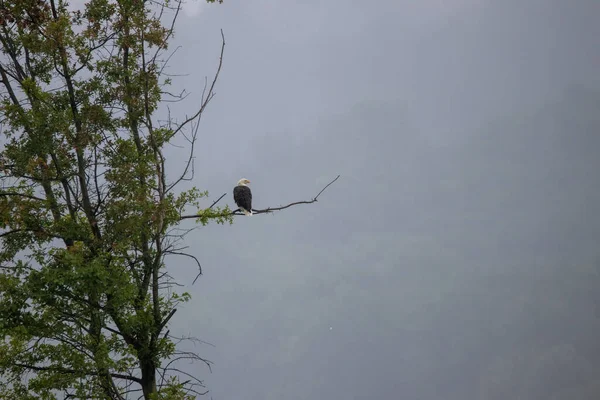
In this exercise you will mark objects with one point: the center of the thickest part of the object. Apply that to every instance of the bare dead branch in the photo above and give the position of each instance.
(204, 102)
(269, 209)
(190, 256)
(193, 339)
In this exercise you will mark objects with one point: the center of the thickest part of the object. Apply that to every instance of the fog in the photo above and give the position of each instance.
(456, 257)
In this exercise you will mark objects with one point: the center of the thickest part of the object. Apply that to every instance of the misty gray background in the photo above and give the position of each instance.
(458, 256)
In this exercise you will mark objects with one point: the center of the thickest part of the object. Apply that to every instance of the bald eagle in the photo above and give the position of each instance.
(243, 196)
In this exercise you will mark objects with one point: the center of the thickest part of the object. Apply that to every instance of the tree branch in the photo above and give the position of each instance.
(217, 200)
(190, 256)
(6, 194)
(203, 103)
(38, 231)
(73, 371)
(165, 321)
(266, 210)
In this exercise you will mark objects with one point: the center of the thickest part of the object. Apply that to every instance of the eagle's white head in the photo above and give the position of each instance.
(243, 182)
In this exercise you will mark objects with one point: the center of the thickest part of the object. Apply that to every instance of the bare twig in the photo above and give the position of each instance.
(217, 200)
(190, 256)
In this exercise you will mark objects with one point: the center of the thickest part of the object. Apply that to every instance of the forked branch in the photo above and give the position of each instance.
(266, 210)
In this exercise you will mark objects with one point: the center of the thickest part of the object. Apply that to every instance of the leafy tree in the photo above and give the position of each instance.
(85, 205)
(86, 209)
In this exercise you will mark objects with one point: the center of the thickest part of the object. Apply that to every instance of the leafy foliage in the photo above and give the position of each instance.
(86, 210)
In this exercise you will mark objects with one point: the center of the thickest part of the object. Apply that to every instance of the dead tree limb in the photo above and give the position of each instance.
(265, 210)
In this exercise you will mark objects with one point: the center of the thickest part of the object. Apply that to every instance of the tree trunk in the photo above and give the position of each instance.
(148, 368)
